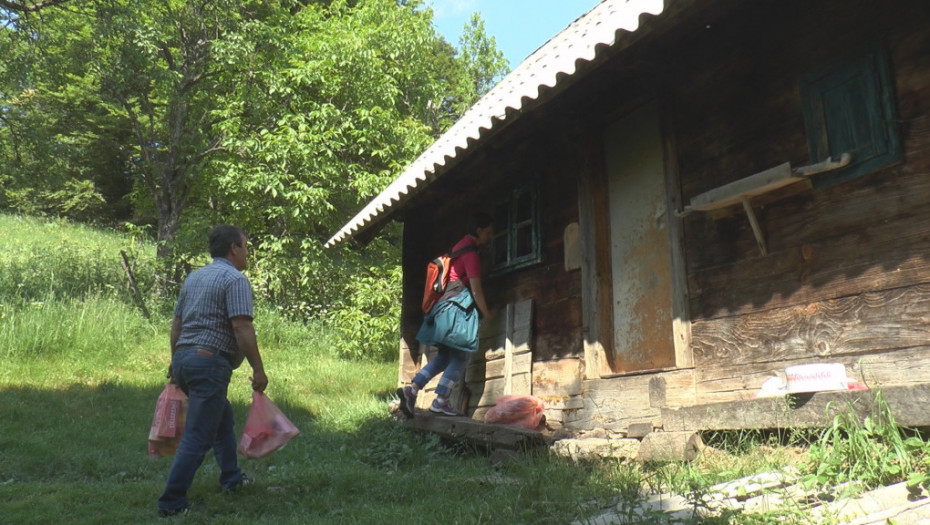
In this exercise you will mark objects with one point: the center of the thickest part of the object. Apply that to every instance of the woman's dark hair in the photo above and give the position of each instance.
(222, 237)
(479, 219)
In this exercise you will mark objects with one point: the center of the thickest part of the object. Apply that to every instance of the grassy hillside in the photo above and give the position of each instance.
(82, 369)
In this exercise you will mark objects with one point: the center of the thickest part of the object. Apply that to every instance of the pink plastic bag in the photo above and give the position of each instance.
(519, 410)
(168, 422)
(266, 428)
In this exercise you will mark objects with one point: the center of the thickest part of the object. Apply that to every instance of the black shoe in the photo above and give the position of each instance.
(408, 400)
(167, 513)
(244, 482)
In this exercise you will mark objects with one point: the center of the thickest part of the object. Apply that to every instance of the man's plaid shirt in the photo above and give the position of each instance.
(210, 297)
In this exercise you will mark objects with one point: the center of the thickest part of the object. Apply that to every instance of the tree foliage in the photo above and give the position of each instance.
(284, 118)
(484, 63)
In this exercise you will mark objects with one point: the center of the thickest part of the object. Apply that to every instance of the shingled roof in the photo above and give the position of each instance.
(553, 63)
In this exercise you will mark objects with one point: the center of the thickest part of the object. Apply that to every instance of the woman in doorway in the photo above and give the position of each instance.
(452, 324)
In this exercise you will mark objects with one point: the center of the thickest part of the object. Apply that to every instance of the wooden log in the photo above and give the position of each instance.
(907, 404)
(670, 446)
(854, 325)
(476, 432)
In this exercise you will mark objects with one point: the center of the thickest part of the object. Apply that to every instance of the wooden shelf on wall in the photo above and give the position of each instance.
(742, 190)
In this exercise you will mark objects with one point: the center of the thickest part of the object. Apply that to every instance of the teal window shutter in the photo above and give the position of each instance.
(849, 108)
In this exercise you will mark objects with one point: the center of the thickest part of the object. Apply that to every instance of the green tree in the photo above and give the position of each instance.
(343, 107)
(282, 117)
(483, 62)
(28, 7)
(52, 133)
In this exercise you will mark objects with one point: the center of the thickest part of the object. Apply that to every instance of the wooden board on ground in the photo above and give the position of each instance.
(477, 433)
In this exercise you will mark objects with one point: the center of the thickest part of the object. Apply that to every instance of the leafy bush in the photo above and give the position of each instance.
(368, 321)
(77, 200)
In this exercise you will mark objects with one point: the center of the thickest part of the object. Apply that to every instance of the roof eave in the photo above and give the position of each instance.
(553, 64)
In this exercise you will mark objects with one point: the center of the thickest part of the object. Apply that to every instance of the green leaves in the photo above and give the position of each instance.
(284, 118)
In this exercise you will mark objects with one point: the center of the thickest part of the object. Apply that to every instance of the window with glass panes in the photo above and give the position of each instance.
(516, 230)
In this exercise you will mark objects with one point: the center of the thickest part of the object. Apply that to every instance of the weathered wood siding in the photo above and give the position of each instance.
(552, 287)
(844, 277)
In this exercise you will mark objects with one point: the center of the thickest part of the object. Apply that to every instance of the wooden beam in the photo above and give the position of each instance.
(907, 403)
(593, 225)
(734, 192)
(477, 432)
(754, 224)
(681, 316)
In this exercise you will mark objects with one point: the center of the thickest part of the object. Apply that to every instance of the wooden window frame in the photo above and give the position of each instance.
(508, 231)
(852, 101)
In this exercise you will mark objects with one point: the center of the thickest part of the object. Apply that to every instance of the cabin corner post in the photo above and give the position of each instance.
(595, 264)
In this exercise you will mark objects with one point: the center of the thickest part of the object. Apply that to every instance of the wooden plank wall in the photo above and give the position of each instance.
(503, 366)
(848, 266)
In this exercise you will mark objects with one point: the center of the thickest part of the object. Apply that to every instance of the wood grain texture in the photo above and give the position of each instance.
(908, 404)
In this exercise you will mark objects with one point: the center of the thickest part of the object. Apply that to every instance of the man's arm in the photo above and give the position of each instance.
(248, 345)
(175, 333)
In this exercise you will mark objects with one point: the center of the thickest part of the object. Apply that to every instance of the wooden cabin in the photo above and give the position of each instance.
(689, 198)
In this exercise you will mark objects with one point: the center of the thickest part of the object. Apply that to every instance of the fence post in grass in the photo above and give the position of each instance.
(132, 284)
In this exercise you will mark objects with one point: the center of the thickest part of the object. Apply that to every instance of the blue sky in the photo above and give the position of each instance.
(519, 27)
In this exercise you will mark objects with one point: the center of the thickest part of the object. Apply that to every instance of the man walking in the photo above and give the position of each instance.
(211, 334)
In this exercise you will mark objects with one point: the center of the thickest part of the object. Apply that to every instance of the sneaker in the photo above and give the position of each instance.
(408, 400)
(442, 406)
(244, 482)
(166, 513)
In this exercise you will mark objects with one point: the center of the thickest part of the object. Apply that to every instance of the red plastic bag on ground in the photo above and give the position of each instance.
(519, 410)
(168, 422)
(266, 428)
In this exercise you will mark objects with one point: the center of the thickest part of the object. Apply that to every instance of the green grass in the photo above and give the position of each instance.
(78, 401)
(44, 259)
(82, 370)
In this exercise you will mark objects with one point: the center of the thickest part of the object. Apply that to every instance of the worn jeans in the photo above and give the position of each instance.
(204, 376)
(448, 361)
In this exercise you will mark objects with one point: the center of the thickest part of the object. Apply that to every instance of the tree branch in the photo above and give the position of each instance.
(24, 7)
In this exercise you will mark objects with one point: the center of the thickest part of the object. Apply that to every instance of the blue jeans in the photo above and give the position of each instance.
(450, 362)
(204, 376)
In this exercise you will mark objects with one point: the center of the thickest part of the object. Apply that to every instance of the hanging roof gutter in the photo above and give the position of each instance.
(550, 65)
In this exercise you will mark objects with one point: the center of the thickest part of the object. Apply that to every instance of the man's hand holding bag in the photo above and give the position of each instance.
(266, 428)
(168, 422)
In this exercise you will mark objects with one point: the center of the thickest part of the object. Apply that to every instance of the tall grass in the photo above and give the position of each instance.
(55, 259)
